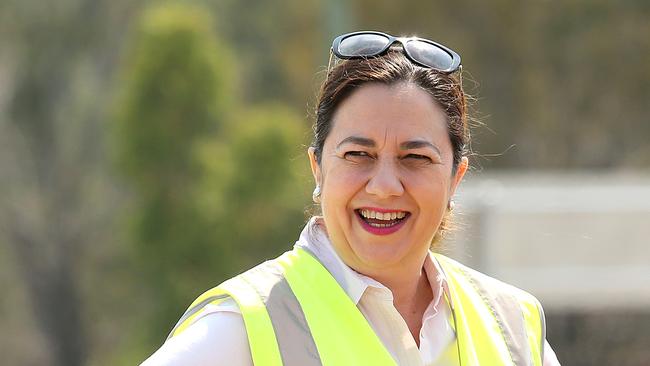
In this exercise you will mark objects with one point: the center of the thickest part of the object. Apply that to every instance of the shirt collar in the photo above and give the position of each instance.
(435, 273)
(314, 239)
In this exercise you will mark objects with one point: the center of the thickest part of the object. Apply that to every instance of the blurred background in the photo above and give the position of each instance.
(149, 150)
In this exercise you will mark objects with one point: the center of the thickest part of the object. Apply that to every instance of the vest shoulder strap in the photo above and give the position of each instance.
(263, 345)
(517, 314)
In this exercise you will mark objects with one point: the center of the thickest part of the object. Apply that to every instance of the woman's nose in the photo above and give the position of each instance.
(385, 181)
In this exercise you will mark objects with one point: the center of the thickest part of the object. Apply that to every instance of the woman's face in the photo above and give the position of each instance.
(386, 176)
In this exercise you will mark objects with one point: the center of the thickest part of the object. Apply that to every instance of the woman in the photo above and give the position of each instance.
(361, 286)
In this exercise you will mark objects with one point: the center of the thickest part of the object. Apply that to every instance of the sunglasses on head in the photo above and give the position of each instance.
(420, 51)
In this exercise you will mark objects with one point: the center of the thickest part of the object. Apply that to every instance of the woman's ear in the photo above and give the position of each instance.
(461, 169)
(315, 167)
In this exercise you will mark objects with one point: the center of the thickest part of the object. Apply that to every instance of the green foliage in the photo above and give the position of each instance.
(177, 89)
(260, 208)
(280, 44)
(176, 93)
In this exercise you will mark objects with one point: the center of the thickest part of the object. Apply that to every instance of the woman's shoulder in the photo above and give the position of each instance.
(215, 337)
(212, 329)
(510, 305)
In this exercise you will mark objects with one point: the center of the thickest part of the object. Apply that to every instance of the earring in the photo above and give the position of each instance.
(450, 205)
(316, 195)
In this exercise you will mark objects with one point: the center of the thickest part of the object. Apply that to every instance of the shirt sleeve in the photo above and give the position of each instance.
(217, 338)
(550, 359)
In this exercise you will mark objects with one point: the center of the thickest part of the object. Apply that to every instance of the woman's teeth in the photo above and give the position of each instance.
(369, 214)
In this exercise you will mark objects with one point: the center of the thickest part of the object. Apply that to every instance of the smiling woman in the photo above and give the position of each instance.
(388, 152)
(363, 284)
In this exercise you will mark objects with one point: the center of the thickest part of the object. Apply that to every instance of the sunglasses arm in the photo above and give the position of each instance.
(329, 62)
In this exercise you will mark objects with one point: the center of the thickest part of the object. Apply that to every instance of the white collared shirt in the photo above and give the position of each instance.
(217, 335)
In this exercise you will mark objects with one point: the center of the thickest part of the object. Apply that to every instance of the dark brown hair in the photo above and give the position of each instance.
(389, 69)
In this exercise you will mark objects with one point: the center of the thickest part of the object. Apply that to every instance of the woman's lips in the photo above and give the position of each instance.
(384, 226)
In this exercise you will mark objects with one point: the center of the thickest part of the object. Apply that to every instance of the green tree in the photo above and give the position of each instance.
(255, 194)
(176, 93)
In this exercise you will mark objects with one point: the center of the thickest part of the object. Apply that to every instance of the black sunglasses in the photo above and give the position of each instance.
(421, 51)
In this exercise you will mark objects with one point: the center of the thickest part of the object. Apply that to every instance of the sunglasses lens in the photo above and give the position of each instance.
(362, 45)
(429, 55)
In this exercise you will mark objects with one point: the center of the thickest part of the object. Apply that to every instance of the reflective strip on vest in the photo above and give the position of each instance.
(341, 332)
(294, 337)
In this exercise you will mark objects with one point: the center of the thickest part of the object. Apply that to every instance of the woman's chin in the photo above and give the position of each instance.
(379, 256)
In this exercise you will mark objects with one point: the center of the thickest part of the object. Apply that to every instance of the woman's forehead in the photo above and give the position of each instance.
(395, 114)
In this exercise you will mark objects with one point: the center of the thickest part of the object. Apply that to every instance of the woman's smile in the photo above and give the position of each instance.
(379, 221)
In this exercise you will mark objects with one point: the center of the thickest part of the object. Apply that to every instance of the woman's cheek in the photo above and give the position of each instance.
(347, 176)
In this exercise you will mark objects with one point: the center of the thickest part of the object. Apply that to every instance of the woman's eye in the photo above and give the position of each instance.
(418, 157)
(356, 153)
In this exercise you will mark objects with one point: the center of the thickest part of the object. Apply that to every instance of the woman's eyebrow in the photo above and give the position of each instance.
(407, 145)
(416, 144)
(357, 140)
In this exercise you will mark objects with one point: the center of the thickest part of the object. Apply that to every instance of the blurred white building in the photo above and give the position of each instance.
(576, 241)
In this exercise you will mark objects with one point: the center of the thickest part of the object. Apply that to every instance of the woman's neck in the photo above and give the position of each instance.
(411, 297)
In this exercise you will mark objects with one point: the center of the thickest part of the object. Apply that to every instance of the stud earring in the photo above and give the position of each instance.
(450, 205)
(316, 195)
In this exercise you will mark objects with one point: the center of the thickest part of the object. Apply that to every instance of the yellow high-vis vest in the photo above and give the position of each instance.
(296, 313)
